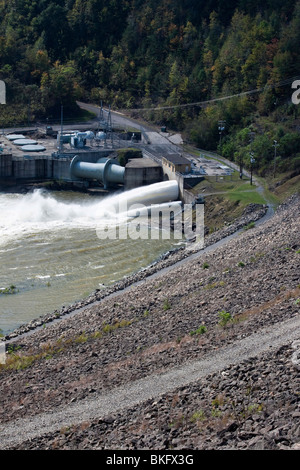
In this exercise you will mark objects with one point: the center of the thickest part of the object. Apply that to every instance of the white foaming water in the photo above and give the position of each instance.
(50, 251)
(40, 211)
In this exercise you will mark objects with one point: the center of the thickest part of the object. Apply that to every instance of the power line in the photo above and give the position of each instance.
(222, 98)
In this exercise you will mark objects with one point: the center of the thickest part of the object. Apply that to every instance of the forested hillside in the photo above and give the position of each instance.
(150, 53)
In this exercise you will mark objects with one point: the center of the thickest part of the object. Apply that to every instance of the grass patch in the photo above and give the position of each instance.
(275, 190)
(81, 338)
(200, 331)
(213, 285)
(245, 198)
(220, 184)
(17, 360)
(109, 328)
(288, 188)
(198, 416)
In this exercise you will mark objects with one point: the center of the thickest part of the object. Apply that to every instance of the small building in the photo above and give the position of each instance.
(175, 163)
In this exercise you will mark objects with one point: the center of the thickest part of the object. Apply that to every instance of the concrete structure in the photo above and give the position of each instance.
(51, 160)
(106, 171)
(142, 171)
(179, 168)
(92, 166)
(175, 164)
(5, 165)
(35, 166)
(14, 169)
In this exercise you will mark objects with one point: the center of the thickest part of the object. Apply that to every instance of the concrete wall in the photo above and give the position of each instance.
(139, 173)
(29, 168)
(168, 173)
(26, 168)
(61, 168)
(190, 182)
(5, 165)
(43, 167)
(188, 197)
(184, 185)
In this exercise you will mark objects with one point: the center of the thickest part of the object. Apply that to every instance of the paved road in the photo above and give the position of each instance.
(118, 119)
(149, 387)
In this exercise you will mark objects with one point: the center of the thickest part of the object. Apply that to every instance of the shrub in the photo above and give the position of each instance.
(225, 318)
(8, 290)
(200, 331)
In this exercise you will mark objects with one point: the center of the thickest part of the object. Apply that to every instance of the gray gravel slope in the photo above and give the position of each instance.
(150, 387)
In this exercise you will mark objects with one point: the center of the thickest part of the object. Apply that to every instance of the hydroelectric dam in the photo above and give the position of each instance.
(94, 161)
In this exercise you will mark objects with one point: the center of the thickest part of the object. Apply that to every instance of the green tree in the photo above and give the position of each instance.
(52, 26)
(59, 86)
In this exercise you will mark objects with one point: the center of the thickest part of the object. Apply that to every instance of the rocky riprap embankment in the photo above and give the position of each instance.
(250, 406)
(188, 313)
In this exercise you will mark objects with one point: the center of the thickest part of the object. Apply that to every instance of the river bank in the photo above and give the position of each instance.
(251, 215)
(206, 304)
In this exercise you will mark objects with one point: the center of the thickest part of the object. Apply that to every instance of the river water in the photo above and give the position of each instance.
(52, 255)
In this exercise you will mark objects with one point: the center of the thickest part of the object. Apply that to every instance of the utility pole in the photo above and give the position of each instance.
(109, 126)
(109, 122)
(241, 167)
(275, 145)
(252, 159)
(221, 128)
(101, 116)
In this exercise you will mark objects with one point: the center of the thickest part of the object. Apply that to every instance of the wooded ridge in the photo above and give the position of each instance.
(137, 54)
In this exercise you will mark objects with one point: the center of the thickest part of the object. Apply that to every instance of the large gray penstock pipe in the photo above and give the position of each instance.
(105, 171)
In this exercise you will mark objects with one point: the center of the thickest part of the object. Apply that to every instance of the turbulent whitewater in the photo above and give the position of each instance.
(51, 254)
